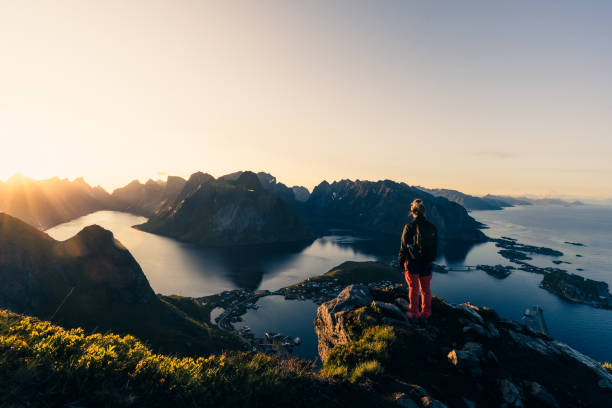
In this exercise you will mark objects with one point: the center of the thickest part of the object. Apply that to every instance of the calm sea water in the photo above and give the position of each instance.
(277, 315)
(178, 268)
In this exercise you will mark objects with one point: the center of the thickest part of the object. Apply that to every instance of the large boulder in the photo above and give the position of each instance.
(330, 324)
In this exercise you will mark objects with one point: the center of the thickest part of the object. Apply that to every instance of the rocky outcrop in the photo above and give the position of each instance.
(463, 356)
(89, 281)
(577, 289)
(331, 325)
(228, 212)
(384, 207)
(45, 203)
(145, 199)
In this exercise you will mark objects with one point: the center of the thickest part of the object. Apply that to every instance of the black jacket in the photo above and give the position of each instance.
(419, 266)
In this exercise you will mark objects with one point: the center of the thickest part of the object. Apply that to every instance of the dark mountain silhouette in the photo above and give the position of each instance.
(384, 207)
(145, 199)
(91, 281)
(301, 193)
(269, 182)
(45, 203)
(233, 210)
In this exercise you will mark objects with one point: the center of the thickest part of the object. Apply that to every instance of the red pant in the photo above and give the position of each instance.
(416, 283)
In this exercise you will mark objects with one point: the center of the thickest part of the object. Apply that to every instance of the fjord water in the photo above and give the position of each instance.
(176, 268)
(173, 267)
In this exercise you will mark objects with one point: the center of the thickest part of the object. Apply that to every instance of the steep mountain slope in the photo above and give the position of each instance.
(384, 207)
(145, 199)
(228, 211)
(92, 281)
(45, 203)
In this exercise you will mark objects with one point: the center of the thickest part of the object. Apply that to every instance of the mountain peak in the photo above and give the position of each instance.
(18, 178)
(248, 180)
(92, 239)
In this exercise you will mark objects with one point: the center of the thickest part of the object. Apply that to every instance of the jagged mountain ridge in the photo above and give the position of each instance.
(378, 207)
(46, 203)
(233, 210)
(270, 183)
(384, 207)
(90, 281)
(145, 199)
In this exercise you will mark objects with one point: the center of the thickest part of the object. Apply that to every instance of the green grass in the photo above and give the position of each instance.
(367, 355)
(43, 364)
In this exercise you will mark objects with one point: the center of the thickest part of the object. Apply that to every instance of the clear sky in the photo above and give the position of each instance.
(480, 96)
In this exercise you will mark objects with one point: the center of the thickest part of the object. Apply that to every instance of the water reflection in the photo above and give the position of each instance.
(174, 267)
(387, 247)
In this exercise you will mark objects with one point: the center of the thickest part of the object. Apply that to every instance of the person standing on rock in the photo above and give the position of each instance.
(418, 250)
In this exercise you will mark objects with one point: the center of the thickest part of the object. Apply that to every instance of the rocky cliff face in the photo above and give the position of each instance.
(91, 281)
(145, 199)
(463, 356)
(45, 203)
(384, 207)
(230, 211)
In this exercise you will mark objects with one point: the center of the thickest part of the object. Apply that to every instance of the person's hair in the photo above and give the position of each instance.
(417, 207)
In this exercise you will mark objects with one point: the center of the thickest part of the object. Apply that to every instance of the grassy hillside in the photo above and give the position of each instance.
(46, 365)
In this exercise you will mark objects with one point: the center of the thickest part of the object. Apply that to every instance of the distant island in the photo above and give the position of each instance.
(494, 202)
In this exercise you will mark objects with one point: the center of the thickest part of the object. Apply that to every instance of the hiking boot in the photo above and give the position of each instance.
(425, 315)
(413, 315)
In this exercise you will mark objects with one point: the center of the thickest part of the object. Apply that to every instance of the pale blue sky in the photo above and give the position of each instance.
(481, 96)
